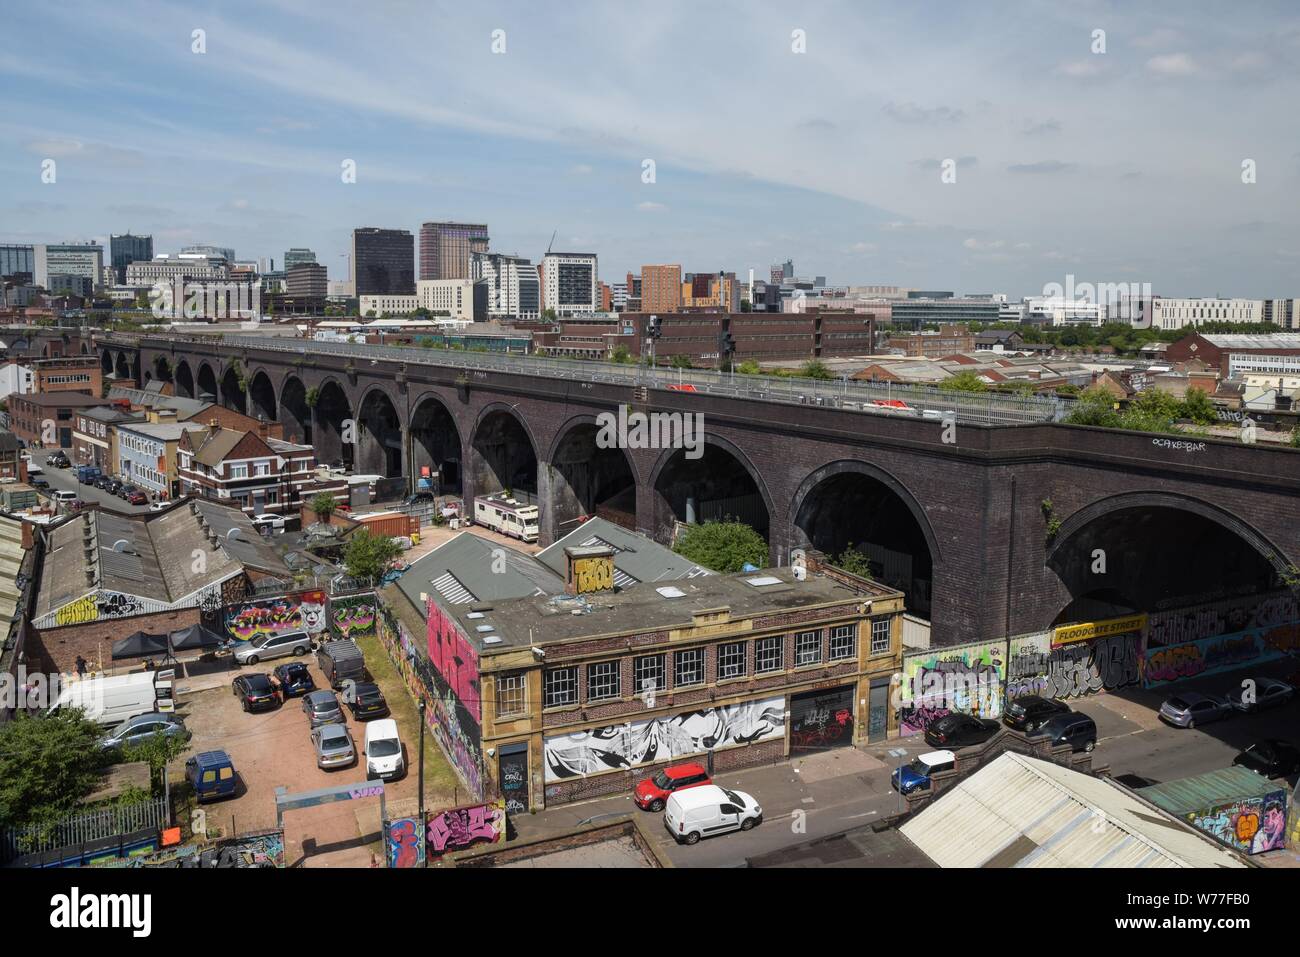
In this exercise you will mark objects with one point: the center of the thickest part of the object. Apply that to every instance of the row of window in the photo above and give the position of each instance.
(650, 672)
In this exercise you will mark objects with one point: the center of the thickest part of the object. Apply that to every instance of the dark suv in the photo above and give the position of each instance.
(1077, 730)
(958, 730)
(1029, 712)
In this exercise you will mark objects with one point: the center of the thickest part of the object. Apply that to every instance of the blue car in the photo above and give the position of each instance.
(916, 775)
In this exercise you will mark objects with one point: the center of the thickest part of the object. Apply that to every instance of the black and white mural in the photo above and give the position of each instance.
(662, 739)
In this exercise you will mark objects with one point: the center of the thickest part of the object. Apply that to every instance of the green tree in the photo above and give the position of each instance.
(723, 546)
(324, 505)
(1095, 406)
(681, 362)
(621, 355)
(369, 556)
(853, 561)
(47, 765)
(1151, 411)
(815, 369)
(964, 382)
(1198, 407)
(748, 367)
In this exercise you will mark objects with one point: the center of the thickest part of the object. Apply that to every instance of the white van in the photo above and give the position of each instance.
(112, 700)
(63, 496)
(384, 750)
(706, 810)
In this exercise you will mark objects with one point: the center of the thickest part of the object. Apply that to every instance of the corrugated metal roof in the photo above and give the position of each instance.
(1023, 812)
(636, 558)
(1208, 790)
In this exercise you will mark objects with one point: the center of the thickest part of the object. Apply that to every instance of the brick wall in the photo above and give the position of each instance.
(57, 648)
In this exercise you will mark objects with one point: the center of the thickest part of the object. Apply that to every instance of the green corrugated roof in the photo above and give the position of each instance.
(1187, 795)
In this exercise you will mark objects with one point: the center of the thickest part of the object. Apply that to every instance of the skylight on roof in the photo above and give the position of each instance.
(671, 591)
(474, 614)
(762, 580)
(483, 629)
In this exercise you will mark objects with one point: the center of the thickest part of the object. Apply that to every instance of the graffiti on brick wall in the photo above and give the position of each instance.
(405, 849)
(254, 850)
(1073, 670)
(354, 616)
(1293, 827)
(1223, 618)
(1252, 825)
(1211, 655)
(966, 679)
(580, 753)
(460, 827)
(300, 611)
(1028, 661)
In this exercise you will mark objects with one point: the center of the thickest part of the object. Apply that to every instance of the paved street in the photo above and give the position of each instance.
(844, 789)
(67, 479)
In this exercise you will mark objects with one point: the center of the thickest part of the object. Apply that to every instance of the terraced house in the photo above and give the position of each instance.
(253, 471)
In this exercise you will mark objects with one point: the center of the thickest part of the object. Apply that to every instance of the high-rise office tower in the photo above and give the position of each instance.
(446, 248)
(297, 255)
(661, 288)
(383, 262)
(125, 249)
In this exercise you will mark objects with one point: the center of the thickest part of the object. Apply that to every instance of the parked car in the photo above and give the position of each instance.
(384, 750)
(64, 496)
(272, 646)
(1077, 730)
(141, 728)
(58, 460)
(292, 679)
(1259, 694)
(1187, 709)
(273, 522)
(420, 498)
(1029, 712)
(709, 810)
(322, 707)
(341, 661)
(125, 491)
(40, 484)
(1271, 758)
(916, 775)
(366, 701)
(255, 691)
(159, 506)
(211, 774)
(960, 730)
(113, 487)
(653, 793)
(137, 498)
(102, 481)
(334, 748)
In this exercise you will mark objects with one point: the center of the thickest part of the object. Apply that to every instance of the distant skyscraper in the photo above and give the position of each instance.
(570, 283)
(69, 259)
(16, 258)
(787, 270)
(125, 249)
(445, 249)
(661, 288)
(295, 256)
(383, 262)
(512, 285)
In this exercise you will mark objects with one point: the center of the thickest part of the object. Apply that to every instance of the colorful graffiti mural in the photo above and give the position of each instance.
(1226, 617)
(405, 849)
(963, 678)
(1252, 826)
(1293, 827)
(353, 616)
(1209, 655)
(300, 611)
(1035, 667)
(662, 739)
(452, 654)
(460, 827)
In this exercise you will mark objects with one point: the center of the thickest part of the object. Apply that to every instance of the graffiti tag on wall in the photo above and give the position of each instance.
(1072, 670)
(1223, 618)
(405, 849)
(966, 679)
(1208, 656)
(78, 612)
(354, 616)
(1252, 826)
(580, 753)
(463, 826)
(301, 611)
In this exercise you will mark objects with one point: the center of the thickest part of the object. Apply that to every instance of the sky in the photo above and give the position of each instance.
(816, 132)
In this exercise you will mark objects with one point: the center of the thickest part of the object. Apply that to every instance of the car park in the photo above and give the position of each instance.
(1077, 730)
(916, 775)
(211, 774)
(1259, 694)
(255, 691)
(384, 750)
(1187, 709)
(334, 747)
(960, 730)
(322, 707)
(292, 679)
(136, 731)
(701, 812)
(651, 794)
(1271, 758)
(264, 647)
(1028, 712)
(365, 701)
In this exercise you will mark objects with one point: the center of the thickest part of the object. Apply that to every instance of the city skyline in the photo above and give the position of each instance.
(774, 162)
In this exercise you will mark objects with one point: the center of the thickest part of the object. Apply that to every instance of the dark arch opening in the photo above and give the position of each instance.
(1152, 557)
(333, 419)
(713, 487)
(587, 480)
(106, 362)
(122, 368)
(207, 382)
(295, 413)
(162, 368)
(184, 380)
(504, 457)
(379, 436)
(854, 511)
(261, 397)
(232, 395)
(435, 445)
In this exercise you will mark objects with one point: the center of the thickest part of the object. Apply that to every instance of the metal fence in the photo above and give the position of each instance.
(84, 828)
(921, 401)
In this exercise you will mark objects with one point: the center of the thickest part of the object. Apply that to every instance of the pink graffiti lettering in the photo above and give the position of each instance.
(1170, 664)
(463, 826)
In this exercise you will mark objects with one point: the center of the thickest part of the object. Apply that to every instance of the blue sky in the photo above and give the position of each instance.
(1122, 166)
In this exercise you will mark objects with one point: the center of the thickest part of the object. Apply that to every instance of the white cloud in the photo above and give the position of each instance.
(1171, 64)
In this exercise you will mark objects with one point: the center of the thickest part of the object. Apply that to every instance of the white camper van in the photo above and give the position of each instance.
(507, 516)
(111, 700)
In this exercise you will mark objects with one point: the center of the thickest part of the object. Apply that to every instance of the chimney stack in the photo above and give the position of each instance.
(588, 569)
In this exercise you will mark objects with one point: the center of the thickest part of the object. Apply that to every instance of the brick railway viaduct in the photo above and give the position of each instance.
(1006, 530)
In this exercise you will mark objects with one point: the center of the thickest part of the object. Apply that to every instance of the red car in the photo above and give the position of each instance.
(652, 793)
(138, 498)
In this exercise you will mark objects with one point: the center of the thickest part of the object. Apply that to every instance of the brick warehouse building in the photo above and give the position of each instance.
(563, 697)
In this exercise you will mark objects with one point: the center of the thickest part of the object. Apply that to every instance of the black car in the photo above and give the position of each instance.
(103, 481)
(421, 498)
(366, 701)
(294, 680)
(1028, 712)
(39, 483)
(959, 730)
(1271, 758)
(255, 692)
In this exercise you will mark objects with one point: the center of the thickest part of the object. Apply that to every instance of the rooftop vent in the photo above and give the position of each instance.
(492, 640)
(671, 591)
(121, 545)
(763, 580)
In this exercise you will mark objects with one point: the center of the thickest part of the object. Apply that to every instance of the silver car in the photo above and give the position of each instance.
(334, 748)
(1187, 709)
(272, 646)
(1257, 694)
(142, 728)
(322, 707)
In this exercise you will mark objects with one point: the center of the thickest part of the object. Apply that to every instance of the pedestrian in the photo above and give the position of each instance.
(149, 665)
(81, 667)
